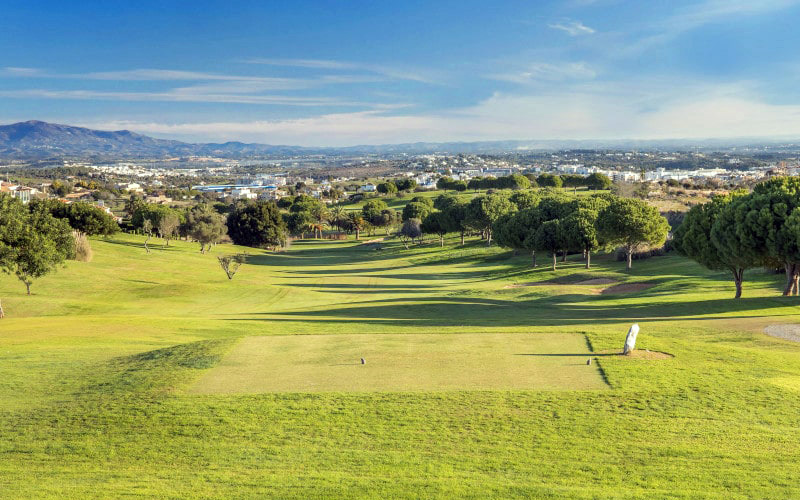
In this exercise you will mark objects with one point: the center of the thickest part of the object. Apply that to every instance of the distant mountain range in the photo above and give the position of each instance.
(37, 139)
(41, 139)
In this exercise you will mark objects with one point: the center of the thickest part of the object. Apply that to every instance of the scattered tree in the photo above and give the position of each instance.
(484, 211)
(410, 230)
(206, 226)
(387, 187)
(416, 210)
(549, 237)
(168, 226)
(694, 239)
(631, 223)
(597, 181)
(549, 180)
(257, 224)
(147, 229)
(436, 223)
(32, 243)
(231, 263)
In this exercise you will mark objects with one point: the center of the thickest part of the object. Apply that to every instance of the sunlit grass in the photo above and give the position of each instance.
(97, 369)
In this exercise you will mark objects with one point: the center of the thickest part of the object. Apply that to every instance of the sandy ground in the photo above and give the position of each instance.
(597, 281)
(612, 290)
(787, 332)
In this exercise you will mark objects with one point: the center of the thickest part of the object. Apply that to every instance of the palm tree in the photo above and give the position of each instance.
(356, 222)
(337, 216)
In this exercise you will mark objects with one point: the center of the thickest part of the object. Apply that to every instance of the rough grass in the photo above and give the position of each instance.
(94, 369)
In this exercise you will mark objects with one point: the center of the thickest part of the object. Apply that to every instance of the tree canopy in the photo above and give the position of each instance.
(693, 239)
(33, 243)
(257, 224)
(630, 224)
(205, 225)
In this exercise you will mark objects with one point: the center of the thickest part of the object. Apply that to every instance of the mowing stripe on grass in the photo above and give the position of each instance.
(402, 362)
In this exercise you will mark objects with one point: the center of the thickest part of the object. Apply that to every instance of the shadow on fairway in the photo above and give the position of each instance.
(582, 354)
(563, 310)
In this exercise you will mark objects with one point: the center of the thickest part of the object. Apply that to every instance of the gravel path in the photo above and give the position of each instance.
(788, 332)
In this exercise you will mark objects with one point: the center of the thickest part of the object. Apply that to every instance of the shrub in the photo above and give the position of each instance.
(83, 250)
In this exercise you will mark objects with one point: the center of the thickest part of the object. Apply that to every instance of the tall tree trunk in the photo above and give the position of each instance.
(441, 240)
(145, 244)
(555, 258)
(488, 237)
(2, 315)
(358, 233)
(564, 256)
(462, 237)
(28, 286)
(629, 252)
(791, 271)
(533, 257)
(738, 275)
(588, 259)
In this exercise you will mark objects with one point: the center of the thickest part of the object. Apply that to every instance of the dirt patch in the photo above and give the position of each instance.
(596, 281)
(786, 332)
(620, 288)
(376, 240)
(640, 354)
(533, 283)
(626, 288)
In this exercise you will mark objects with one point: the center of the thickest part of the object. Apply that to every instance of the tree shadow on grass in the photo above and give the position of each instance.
(547, 311)
(154, 246)
(580, 354)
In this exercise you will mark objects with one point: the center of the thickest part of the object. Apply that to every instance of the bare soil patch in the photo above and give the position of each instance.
(376, 240)
(626, 288)
(640, 354)
(594, 281)
(786, 332)
(597, 281)
(532, 283)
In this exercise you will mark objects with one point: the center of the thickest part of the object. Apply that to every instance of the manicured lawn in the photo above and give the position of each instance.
(403, 362)
(100, 371)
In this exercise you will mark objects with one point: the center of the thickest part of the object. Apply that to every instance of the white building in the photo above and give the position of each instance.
(243, 194)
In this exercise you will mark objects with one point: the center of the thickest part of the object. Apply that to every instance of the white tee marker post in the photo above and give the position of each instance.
(630, 339)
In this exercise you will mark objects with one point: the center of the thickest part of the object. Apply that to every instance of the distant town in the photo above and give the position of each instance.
(339, 178)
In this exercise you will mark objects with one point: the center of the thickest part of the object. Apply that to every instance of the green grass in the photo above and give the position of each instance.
(403, 362)
(98, 369)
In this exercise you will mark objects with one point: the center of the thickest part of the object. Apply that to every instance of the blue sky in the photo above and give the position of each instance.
(343, 73)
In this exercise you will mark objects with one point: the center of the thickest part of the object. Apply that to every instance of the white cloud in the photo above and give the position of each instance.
(16, 71)
(717, 10)
(602, 111)
(572, 28)
(186, 94)
(548, 72)
(396, 72)
(696, 16)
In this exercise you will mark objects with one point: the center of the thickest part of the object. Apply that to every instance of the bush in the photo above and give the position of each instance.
(83, 250)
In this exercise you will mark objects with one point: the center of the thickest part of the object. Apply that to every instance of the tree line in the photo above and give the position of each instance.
(548, 222)
(742, 230)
